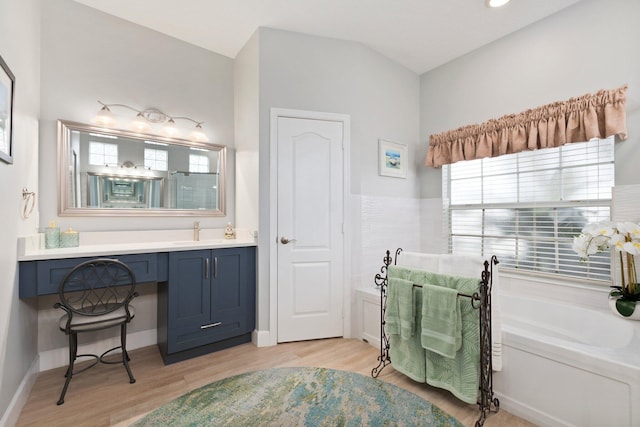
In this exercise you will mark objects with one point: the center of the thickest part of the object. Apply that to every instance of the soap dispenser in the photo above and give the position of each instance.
(52, 236)
(229, 233)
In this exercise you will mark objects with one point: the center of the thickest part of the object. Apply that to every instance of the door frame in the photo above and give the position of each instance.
(345, 119)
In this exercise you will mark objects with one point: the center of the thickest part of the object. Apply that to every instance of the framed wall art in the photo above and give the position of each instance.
(7, 83)
(392, 159)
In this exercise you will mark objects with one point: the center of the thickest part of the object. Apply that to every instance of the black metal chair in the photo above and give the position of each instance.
(96, 295)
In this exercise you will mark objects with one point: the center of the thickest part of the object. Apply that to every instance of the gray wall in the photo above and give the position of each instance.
(303, 72)
(589, 46)
(88, 55)
(20, 49)
(246, 114)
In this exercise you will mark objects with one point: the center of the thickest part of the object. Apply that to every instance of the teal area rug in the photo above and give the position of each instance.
(299, 397)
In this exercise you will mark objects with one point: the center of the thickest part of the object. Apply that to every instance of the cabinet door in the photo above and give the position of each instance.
(189, 290)
(211, 296)
(233, 291)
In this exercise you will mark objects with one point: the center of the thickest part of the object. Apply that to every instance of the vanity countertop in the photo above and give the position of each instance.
(93, 244)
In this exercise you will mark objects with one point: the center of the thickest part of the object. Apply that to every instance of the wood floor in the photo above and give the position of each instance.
(102, 396)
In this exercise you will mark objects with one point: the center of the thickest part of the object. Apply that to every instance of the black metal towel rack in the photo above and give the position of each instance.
(481, 301)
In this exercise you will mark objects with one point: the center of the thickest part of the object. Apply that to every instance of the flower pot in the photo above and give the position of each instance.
(634, 316)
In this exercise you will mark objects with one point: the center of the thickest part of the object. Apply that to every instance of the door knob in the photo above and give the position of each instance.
(284, 240)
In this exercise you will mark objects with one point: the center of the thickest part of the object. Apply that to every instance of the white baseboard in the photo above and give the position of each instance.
(11, 415)
(261, 338)
(529, 413)
(58, 357)
(371, 340)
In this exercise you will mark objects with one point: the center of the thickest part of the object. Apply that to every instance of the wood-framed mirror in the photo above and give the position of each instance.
(109, 172)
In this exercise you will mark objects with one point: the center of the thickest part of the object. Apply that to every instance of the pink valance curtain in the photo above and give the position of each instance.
(598, 115)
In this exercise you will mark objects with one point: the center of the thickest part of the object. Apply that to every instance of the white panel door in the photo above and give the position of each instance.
(310, 229)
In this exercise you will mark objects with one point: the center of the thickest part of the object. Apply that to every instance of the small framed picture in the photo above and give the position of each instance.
(392, 159)
(7, 81)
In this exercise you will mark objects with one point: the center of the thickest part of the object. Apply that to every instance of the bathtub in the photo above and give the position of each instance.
(566, 365)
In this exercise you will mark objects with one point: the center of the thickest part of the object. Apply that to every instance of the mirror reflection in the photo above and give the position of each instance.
(114, 172)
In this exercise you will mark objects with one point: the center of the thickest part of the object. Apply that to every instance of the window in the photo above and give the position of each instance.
(198, 163)
(526, 207)
(103, 153)
(156, 159)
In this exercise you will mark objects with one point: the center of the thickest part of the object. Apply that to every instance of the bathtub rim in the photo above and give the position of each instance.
(622, 363)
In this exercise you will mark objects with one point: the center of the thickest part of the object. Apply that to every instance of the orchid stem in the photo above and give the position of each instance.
(631, 269)
(622, 271)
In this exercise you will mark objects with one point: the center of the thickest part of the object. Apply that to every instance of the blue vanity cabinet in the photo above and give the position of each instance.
(208, 303)
(43, 277)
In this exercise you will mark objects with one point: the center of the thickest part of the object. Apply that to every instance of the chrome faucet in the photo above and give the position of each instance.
(196, 231)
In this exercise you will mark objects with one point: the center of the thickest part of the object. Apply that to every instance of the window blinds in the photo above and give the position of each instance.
(526, 207)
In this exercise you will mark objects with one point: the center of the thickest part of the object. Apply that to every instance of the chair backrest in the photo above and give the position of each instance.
(97, 287)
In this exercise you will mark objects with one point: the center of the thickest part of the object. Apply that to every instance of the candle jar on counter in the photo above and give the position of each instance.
(52, 236)
(69, 238)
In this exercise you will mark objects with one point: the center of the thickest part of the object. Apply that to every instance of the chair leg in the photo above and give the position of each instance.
(125, 355)
(73, 350)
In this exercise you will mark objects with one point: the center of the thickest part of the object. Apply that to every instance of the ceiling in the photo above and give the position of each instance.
(419, 34)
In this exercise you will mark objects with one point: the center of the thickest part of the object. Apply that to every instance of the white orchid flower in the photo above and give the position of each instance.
(603, 228)
(600, 236)
(629, 228)
(617, 241)
(584, 246)
(632, 247)
(579, 246)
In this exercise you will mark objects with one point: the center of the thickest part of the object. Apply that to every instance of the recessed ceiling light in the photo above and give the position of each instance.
(496, 3)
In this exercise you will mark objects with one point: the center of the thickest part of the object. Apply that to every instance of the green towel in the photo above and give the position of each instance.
(460, 375)
(407, 355)
(399, 272)
(441, 320)
(400, 313)
(391, 314)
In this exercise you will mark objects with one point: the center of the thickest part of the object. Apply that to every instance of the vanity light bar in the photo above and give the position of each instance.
(145, 118)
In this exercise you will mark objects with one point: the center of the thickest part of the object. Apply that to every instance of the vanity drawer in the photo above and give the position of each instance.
(189, 337)
(48, 274)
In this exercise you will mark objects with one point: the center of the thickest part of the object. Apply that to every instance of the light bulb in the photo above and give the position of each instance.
(496, 3)
(140, 124)
(198, 135)
(170, 129)
(104, 117)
